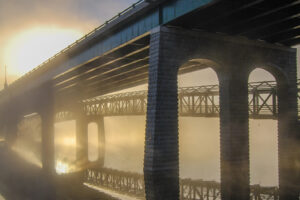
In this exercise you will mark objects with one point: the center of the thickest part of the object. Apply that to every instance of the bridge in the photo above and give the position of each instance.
(198, 101)
(152, 42)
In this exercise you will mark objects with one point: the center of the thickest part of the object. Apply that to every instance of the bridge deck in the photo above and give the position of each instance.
(115, 55)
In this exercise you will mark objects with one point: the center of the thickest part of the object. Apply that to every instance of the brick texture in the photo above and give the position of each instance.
(235, 59)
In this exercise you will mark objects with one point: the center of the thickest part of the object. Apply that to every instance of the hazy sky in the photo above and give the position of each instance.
(20, 19)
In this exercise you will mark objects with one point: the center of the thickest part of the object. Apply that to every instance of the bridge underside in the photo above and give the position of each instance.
(271, 21)
(123, 67)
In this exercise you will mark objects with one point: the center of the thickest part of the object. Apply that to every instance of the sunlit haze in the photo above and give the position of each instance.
(31, 47)
(33, 33)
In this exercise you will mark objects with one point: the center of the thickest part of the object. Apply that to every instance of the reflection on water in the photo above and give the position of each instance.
(111, 193)
(62, 168)
(29, 156)
(28, 143)
(199, 143)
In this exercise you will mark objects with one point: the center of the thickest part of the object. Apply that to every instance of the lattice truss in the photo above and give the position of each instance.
(132, 184)
(263, 99)
(200, 101)
(64, 116)
(132, 103)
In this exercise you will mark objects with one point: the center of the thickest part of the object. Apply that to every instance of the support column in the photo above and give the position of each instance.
(234, 134)
(101, 141)
(48, 150)
(161, 163)
(81, 139)
(289, 141)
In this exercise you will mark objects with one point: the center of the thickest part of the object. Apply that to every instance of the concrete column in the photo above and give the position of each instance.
(161, 164)
(234, 134)
(81, 139)
(101, 141)
(289, 141)
(48, 151)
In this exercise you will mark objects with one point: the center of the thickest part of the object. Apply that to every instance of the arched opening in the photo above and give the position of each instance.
(199, 127)
(263, 134)
(93, 142)
(121, 120)
(65, 146)
(28, 141)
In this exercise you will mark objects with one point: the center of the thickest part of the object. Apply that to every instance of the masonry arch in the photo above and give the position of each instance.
(263, 128)
(198, 107)
(287, 123)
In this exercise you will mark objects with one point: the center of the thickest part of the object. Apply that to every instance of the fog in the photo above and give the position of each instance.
(28, 141)
(199, 137)
(199, 140)
(19, 17)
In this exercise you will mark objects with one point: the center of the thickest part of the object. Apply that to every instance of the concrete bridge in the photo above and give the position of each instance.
(154, 41)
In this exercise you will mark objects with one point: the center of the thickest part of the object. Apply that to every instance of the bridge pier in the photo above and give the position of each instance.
(233, 68)
(47, 115)
(81, 138)
(288, 136)
(161, 162)
(234, 134)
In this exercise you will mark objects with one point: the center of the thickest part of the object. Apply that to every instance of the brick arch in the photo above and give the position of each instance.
(200, 63)
(277, 72)
(287, 122)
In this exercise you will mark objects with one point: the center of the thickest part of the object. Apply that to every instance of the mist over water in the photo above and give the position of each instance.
(28, 141)
(124, 143)
(199, 141)
(93, 152)
(65, 141)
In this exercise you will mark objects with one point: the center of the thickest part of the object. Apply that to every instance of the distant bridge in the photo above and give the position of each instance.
(198, 101)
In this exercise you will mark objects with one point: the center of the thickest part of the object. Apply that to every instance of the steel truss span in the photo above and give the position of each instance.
(200, 101)
(132, 184)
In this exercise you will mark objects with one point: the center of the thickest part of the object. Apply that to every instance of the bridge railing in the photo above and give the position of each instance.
(85, 37)
(132, 184)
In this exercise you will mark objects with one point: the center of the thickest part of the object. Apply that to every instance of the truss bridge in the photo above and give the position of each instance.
(199, 101)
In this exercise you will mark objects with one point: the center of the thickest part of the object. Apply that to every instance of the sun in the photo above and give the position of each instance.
(33, 46)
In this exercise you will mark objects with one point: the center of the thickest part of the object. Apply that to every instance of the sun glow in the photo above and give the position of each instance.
(62, 168)
(30, 48)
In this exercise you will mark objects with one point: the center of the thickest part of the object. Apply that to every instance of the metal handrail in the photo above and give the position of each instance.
(85, 37)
